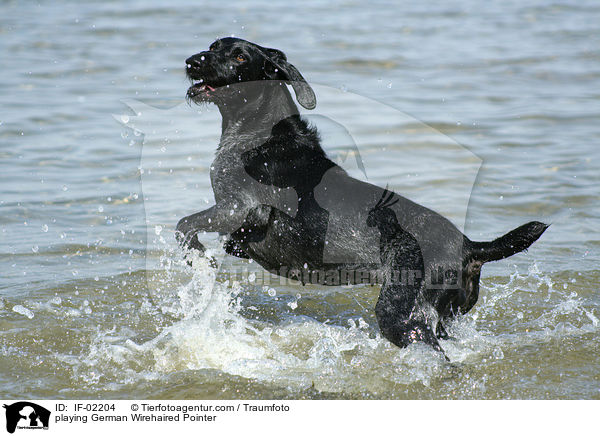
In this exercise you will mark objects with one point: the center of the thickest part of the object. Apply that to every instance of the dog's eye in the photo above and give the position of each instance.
(241, 58)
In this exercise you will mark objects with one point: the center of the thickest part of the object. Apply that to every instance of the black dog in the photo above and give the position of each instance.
(286, 205)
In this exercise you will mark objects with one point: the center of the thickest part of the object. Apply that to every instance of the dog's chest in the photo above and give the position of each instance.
(225, 165)
(227, 174)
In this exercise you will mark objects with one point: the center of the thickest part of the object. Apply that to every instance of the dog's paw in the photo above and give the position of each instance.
(193, 249)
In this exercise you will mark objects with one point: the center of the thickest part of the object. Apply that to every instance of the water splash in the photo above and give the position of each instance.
(208, 331)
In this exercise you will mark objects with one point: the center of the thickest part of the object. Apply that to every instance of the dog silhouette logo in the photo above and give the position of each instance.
(26, 415)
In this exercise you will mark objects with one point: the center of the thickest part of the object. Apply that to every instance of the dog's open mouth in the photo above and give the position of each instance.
(199, 88)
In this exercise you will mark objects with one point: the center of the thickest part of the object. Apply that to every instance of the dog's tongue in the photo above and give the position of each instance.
(210, 88)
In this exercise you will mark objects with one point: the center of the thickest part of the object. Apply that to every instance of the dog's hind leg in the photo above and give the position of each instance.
(404, 333)
(399, 317)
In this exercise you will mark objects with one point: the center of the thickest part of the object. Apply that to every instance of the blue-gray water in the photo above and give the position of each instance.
(94, 304)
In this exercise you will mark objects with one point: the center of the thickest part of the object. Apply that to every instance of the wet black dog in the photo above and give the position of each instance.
(286, 205)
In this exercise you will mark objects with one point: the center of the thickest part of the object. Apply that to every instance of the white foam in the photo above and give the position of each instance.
(22, 310)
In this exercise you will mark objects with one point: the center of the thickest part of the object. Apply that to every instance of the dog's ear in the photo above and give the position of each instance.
(283, 69)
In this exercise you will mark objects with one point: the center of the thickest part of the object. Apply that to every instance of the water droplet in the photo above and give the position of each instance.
(157, 230)
(124, 119)
(272, 292)
(35, 248)
(45, 228)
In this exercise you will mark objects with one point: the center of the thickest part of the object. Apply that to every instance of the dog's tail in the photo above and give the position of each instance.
(513, 242)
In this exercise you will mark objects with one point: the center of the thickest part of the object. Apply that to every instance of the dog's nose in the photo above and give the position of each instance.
(195, 61)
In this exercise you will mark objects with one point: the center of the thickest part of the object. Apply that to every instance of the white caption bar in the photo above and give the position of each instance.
(73, 417)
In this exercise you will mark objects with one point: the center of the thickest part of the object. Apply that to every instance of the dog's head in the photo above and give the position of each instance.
(231, 61)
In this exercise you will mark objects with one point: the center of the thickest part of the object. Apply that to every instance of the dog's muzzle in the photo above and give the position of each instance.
(200, 89)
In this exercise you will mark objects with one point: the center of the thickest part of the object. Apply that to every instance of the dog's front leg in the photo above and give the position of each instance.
(187, 229)
(221, 219)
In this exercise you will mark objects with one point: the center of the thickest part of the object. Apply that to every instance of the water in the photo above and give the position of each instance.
(95, 301)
